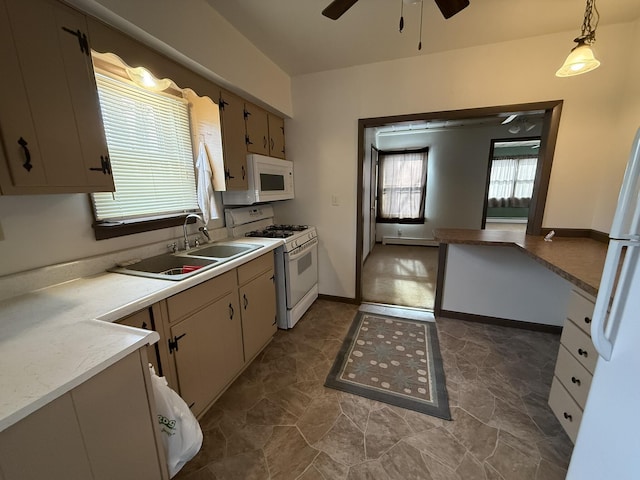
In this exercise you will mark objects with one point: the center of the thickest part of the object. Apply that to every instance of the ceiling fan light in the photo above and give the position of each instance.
(580, 60)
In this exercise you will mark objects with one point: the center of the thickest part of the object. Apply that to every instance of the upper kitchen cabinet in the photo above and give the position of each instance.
(265, 131)
(276, 136)
(51, 128)
(233, 141)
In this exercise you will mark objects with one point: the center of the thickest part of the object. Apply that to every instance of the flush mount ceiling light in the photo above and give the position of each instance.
(581, 59)
(143, 78)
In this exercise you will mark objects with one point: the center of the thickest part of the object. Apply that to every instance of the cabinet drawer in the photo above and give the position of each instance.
(255, 267)
(575, 378)
(197, 297)
(579, 345)
(565, 409)
(580, 311)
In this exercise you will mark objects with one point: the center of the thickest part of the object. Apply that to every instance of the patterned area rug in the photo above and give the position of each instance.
(395, 361)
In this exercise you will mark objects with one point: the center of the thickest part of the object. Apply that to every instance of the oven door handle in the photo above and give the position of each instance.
(301, 250)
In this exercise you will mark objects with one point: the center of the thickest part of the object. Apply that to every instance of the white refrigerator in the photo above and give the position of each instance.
(608, 442)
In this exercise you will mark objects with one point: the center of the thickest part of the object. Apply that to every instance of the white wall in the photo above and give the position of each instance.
(456, 177)
(194, 29)
(322, 136)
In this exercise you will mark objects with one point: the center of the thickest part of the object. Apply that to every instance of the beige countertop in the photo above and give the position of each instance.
(578, 260)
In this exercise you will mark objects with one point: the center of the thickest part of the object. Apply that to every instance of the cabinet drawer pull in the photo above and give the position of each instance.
(587, 320)
(576, 381)
(231, 312)
(245, 300)
(582, 352)
(27, 154)
(568, 417)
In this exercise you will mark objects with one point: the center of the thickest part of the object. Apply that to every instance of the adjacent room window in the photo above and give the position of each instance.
(402, 180)
(149, 141)
(512, 177)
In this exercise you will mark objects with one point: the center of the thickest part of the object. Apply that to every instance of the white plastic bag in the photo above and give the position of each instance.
(180, 431)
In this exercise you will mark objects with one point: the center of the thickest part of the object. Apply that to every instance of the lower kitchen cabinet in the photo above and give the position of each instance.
(216, 328)
(258, 303)
(208, 351)
(575, 365)
(102, 429)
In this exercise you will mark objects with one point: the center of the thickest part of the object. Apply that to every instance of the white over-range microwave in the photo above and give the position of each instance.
(269, 179)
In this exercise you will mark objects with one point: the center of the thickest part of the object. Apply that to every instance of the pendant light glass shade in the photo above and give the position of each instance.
(580, 60)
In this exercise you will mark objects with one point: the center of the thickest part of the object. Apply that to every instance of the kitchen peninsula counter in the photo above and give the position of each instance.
(578, 260)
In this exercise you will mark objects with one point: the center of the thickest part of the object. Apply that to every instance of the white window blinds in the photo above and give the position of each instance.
(149, 141)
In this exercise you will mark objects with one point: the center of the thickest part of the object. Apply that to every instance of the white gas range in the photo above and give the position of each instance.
(296, 261)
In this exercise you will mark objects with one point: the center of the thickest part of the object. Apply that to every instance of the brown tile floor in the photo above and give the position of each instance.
(401, 275)
(277, 421)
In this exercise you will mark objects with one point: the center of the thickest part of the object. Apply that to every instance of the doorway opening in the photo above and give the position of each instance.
(510, 181)
(457, 180)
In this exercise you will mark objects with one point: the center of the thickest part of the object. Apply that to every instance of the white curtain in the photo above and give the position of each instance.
(512, 177)
(401, 188)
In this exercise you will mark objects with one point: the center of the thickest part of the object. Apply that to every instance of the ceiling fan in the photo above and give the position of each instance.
(448, 7)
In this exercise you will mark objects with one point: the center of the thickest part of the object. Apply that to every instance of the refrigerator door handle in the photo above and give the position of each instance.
(626, 221)
(603, 327)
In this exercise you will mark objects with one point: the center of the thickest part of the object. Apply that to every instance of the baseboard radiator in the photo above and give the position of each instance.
(426, 242)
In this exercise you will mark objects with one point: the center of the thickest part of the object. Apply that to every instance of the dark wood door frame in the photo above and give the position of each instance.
(490, 166)
(548, 138)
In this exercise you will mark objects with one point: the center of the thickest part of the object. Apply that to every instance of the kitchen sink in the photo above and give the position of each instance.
(183, 265)
(220, 251)
(167, 267)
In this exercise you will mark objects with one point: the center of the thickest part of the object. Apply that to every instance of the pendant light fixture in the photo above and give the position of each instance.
(581, 59)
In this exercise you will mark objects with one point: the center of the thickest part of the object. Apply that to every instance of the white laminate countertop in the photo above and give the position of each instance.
(54, 339)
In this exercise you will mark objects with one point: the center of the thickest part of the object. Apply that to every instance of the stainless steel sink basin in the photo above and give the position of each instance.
(186, 264)
(167, 267)
(222, 251)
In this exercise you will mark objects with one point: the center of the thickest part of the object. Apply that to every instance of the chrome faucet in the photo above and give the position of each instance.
(203, 229)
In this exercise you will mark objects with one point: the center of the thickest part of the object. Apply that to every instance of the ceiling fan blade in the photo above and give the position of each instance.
(336, 8)
(450, 7)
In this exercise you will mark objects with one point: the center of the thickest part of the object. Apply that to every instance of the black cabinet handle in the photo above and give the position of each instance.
(231, 312)
(587, 320)
(27, 154)
(264, 142)
(568, 416)
(244, 299)
(247, 140)
(246, 113)
(576, 381)
(243, 172)
(173, 344)
(582, 352)
(105, 165)
(82, 39)
(272, 144)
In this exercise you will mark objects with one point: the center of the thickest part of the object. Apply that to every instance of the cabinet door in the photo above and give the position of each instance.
(258, 303)
(116, 422)
(64, 136)
(257, 126)
(209, 351)
(276, 136)
(233, 141)
(143, 320)
(46, 444)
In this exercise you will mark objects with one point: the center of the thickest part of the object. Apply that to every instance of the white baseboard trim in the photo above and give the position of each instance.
(426, 242)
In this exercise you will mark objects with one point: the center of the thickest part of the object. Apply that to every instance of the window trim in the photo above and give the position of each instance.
(106, 230)
(423, 198)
